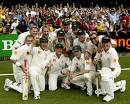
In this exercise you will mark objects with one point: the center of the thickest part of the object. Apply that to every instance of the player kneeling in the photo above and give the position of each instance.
(110, 70)
(82, 71)
(21, 58)
(37, 70)
(57, 67)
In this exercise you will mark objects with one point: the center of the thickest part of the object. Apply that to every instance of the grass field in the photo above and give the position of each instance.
(62, 96)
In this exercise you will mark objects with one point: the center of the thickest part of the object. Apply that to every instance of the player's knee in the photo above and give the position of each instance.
(52, 87)
(87, 76)
(106, 74)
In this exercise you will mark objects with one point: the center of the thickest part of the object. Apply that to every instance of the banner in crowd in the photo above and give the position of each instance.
(7, 41)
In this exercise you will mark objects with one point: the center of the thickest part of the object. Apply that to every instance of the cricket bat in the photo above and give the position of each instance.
(97, 84)
(25, 84)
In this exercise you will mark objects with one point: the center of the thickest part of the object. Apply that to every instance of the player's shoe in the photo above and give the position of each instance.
(89, 93)
(37, 97)
(6, 85)
(65, 86)
(123, 85)
(108, 98)
(83, 88)
(100, 92)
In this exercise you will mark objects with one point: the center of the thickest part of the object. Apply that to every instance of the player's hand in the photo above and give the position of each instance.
(95, 61)
(97, 74)
(73, 75)
(24, 69)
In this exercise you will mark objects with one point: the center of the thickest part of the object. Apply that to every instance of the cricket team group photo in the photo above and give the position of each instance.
(64, 53)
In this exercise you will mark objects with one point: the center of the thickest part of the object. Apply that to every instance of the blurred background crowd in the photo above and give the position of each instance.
(19, 18)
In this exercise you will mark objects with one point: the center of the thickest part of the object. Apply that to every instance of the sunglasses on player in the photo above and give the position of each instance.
(93, 38)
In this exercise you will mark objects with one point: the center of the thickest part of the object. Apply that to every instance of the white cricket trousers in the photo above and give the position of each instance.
(107, 81)
(85, 79)
(17, 73)
(37, 77)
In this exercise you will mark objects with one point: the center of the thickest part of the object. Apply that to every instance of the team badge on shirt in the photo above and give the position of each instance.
(15, 53)
(87, 61)
(28, 53)
(39, 52)
(114, 60)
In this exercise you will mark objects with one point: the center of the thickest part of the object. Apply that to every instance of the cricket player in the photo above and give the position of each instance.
(83, 41)
(110, 69)
(21, 38)
(50, 35)
(82, 69)
(19, 42)
(61, 38)
(97, 41)
(18, 58)
(68, 32)
(37, 70)
(57, 66)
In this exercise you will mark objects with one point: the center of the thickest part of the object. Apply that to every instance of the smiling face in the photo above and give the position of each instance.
(34, 31)
(46, 31)
(43, 45)
(77, 54)
(106, 46)
(29, 40)
(59, 51)
(86, 55)
(94, 39)
(81, 38)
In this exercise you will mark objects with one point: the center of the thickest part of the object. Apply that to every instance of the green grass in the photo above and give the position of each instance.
(62, 96)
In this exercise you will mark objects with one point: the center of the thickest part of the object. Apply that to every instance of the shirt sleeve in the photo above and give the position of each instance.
(75, 42)
(114, 63)
(16, 54)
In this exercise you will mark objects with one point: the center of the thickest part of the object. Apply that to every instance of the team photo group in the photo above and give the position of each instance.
(67, 55)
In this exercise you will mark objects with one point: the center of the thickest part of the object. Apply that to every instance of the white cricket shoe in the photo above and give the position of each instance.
(100, 92)
(83, 88)
(6, 85)
(65, 86)
(89, 93)
(108, 98)
(37, 97)
(123, 84)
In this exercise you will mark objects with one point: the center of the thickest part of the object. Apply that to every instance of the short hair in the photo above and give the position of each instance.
(45, 26)
(33, 26)
(93, 32)
(29, 36)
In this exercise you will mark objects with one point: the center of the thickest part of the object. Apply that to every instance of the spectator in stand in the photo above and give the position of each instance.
(13, 26)
(22, 27)
(129, 26)
(91, 25)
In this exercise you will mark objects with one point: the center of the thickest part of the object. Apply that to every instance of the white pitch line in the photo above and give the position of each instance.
(6, 74)
(125, 69)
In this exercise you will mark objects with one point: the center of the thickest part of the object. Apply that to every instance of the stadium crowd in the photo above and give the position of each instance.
(101, 19)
